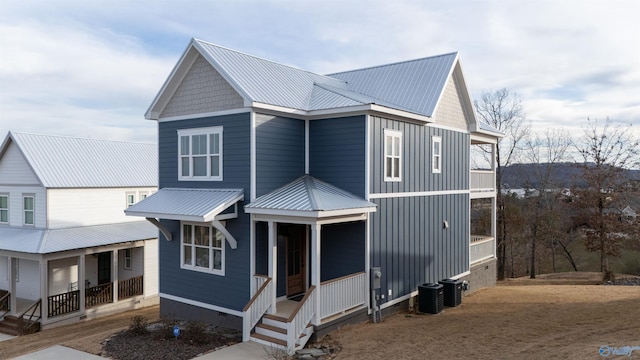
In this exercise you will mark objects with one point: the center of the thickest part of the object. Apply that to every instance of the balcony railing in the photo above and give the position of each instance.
(482, 180)
(341, 294)
(482, 247)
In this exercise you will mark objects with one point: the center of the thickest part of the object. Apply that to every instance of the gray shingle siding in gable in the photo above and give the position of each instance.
(416, 171)
(280, 151)
(202, 90)
(450, 111)
(337, 152)
(411, 245)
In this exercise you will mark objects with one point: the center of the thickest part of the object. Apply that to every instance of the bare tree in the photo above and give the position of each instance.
(503, 111)
(544, 152)
(606, 152)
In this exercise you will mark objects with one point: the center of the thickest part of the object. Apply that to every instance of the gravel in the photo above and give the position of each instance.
(625, 282)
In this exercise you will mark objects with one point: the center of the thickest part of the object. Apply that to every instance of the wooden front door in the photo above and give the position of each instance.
(296, 258)
(104, 268)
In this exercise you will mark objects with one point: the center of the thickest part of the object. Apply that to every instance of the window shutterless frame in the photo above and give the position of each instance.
(202, 248)
(436, 154)
(28, 209)
(392, 148)
(4, 208)
(200, 154)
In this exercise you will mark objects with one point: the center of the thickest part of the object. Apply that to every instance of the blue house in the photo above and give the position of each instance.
(281, 189)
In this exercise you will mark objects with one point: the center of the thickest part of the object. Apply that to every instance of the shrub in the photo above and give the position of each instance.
(196, 332)
(165, 331)
(138, 325)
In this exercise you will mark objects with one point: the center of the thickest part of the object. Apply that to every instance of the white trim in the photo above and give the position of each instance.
(436, 161)
(306, 147)
(399, 300)
(395, 135)
(367, 155)
(252, 155)
(460, 275)
(311, 214)
(193, 267)
(207, 132)
(201, 304)
(204, 115)
(416, 194)
(252, 255)
(450, 128)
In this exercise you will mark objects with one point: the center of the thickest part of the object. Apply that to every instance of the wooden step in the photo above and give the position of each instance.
(272, 328)
(269, 339)
(276, 318)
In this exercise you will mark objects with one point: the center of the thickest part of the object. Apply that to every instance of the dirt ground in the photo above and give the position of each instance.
(524, 319)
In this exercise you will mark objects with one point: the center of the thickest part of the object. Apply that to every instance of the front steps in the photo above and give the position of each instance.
(272, 331)
(9, 326)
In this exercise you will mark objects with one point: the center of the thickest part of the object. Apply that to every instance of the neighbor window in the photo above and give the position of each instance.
(127, 259)
(4, 209)
(202, 248)
(29, 207)
(131, 199)
(200, 154)
(392, 155)
(436, 159)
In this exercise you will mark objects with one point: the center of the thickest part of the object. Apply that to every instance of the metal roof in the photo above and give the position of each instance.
(70, 162)
(201, 205)
(42, 241)
(413, 86)
(310, 195)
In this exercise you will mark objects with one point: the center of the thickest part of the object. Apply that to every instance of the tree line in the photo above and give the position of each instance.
(552, 219)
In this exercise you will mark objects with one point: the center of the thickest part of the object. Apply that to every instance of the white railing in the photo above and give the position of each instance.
(256, 307)
(341, 294)
(482, 247)
(259, 280)
(482, 180)
(300, 318)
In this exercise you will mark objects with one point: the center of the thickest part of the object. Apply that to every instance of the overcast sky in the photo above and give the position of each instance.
(92, 68)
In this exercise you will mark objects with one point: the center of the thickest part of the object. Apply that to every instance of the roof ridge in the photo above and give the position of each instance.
(79, 138)
(393, 63)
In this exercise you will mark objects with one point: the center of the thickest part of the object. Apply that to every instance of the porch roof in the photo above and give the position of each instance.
(45, 241)
(198, 205)
(310, 197)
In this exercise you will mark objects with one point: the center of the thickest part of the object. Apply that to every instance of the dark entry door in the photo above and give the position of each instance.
(296, 258)
(104, 268)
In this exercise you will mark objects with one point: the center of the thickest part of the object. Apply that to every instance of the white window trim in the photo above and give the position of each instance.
(200, 131)
(24, 211)
(397, 135)
(193, 267)
(6, 209)
(127, 258)
(130, 203)
(436, 159)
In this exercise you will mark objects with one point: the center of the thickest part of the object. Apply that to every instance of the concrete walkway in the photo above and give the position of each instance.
(59, 352)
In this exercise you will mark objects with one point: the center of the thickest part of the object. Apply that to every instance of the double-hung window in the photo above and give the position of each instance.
(200, 153)
(392, 155)
(436, 157)
(4, 209)
(28, 202)
(202, 248)
(127, 259)
(131, 199)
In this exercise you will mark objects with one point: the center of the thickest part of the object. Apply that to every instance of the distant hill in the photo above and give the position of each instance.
(565, 175)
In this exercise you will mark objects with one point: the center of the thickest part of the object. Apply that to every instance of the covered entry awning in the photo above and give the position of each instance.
(197, 205)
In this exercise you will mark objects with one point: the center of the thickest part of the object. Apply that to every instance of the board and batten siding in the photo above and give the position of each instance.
(416, 159)
(87, 207)
(410, 243)
(337, 152)
(280, 148)
(231, 290)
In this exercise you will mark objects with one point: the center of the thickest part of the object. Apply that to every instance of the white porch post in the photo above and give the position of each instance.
(44, 288)
(114, 274)
(82, 276)
(273, 264)
(252, 257)
(315, 270)
(13, 303)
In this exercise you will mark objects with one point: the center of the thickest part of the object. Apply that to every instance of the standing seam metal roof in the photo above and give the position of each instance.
(69, 162)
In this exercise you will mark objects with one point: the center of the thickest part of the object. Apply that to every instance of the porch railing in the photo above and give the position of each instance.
(64, 303)
(256, 307)
(259, 280)
(5, 302)
(98, 295)
(482, 247)
(482, 180)
(130, 287)
(341, 294)
(29, 321)
(300, 318)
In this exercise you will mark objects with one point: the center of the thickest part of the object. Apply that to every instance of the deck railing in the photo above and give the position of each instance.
(256, 307)
(130, 287)
(482, 180)
(482, 247)
(98, 295)
(341, 294)
(300, 318)
(64, 303)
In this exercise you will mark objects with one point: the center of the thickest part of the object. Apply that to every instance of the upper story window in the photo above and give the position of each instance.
(436, 157)
(392, 155)
(127, 259)
(200, 153)
(28, 207)
(202, 248)
(4, 209)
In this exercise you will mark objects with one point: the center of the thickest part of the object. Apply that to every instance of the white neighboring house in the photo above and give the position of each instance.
(67, 250)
